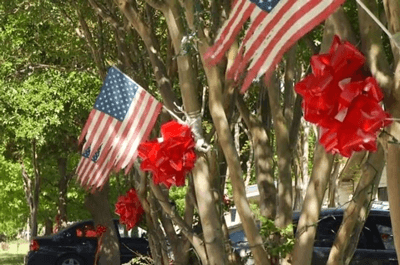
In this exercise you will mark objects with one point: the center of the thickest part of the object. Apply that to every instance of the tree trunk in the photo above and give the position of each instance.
(290, 75)
(393, 179)
(235, 172)
(357, 212)
(62, 192)
(285, 193)
(333, 184)
(48, 227)
(28, 195)
(209, 216)
(306, 228)
(32, 191)
(392, 10)
(36, 189)
(304, 158)
(99, 207)
(372, 47)
(194, 239)
(263, 161)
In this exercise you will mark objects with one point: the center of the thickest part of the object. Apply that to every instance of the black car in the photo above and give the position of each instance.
(77, 244)
(375, 245)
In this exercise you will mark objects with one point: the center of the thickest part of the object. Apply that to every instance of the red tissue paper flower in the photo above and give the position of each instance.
(129, 209)
(172, 158)
(341, 101)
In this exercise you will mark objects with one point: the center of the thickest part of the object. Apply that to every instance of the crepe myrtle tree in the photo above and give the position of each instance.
(161, 45)
(175, 35)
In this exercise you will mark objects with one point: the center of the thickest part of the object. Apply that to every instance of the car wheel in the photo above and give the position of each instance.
(71, 260)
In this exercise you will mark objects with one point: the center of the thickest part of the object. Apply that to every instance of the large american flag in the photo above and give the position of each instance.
(275, 26)
(123, 115)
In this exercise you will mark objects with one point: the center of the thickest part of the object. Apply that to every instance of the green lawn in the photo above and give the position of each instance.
(15, 254)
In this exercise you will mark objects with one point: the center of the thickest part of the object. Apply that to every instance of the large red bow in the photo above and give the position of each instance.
(339, 99)
(172, 158)
(129, 209)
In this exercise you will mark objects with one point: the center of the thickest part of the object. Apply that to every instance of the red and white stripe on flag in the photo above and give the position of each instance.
(269, 35)
(111, 143)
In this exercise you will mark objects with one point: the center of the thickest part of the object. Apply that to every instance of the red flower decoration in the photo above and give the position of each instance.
(129, 209)
(172, 158)
(339, 99)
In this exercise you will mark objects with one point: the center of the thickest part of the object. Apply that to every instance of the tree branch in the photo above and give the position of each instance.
(95, 53)
(194, 239)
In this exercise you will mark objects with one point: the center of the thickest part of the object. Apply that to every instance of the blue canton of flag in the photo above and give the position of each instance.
(86, 154)
(116, 95)
(123, 116)
(266, 5)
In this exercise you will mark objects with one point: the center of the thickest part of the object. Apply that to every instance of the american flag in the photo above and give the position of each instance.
(123, 116)
(275, 26)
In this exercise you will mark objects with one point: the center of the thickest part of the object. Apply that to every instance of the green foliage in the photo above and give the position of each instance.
(14, 210)
(47, 90)
(278, 241)
(177, 195)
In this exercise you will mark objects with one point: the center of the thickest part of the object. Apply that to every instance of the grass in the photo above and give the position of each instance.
(15, 254)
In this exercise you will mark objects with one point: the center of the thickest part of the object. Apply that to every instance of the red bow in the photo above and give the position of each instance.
(129, 209)
(100, 230)
(339, 99)
(171, 159)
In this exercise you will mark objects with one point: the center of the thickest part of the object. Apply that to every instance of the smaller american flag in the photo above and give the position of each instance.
(123, 116)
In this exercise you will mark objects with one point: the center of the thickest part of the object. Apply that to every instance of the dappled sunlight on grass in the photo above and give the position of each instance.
(15, 253)
(11, 259)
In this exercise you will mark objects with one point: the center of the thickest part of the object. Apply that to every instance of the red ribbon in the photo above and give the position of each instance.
(100, 230)
(341, 101)
(129, 209)
(171, 159)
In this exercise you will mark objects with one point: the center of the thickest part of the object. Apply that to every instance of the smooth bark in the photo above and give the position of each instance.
(357, 211)
(263, 161)
(285, 193)
(209, 216)
(306, 228)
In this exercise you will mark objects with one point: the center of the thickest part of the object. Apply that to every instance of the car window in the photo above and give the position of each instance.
(386, 235)
(123, 233)
(326, 232)
(135, 232)
(383, 232)
(328, 228)
(86, 230)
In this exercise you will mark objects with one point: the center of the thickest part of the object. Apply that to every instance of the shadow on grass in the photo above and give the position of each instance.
(11, 259)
